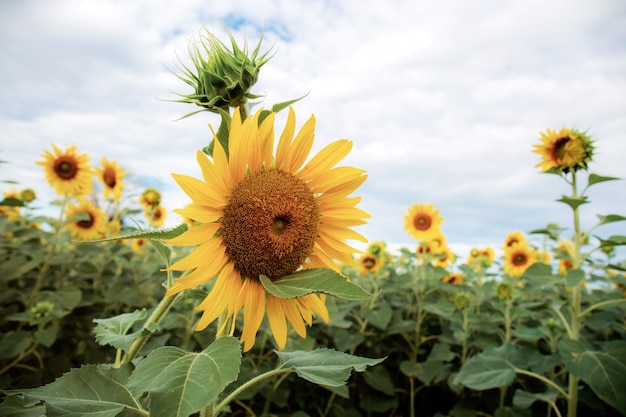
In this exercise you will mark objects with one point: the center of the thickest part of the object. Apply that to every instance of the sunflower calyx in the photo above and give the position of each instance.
(221, 78)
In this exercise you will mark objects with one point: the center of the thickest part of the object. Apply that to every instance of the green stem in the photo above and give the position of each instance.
(157, 315)
(411, 396)
(599, 305)
(572, 402)
(245, 386)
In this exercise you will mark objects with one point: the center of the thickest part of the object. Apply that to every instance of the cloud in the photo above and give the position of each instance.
(443, 100)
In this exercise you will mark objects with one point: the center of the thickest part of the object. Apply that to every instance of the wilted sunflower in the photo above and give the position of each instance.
(111, 176)
(85, 221)
(518, 259)
(565, 150)
(266, 215)
(422, 222)
(68, 172)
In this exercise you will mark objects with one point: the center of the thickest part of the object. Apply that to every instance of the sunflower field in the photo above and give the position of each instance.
(258, 303)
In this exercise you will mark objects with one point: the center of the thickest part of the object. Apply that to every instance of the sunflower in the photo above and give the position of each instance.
(85, 221)
(370, 263)
(150, 198)
(155, 215)
(68, 172)
(455, 278)
(268, 215)
(422, 222)
(444, 257)
(565, 150)
(377, 248)
(137, 244)
(518, 259)
(514, 239)
(111, 176)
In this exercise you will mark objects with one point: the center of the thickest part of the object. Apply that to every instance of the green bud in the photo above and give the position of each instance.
(504, 290)
(462, 300)
(221, 78)
(42, 309)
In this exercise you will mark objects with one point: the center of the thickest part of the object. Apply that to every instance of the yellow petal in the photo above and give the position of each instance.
(276, 319)
(198, 191)
(211, 256)
(266, 140)
(196, 235)
(301, 146)
(202, 214)
(211, 175)
(223, 296)
(290, 307)
(252, 299)
(314, 304)
(282, 151)
(325, 159)
(347, 187)
(334, 178)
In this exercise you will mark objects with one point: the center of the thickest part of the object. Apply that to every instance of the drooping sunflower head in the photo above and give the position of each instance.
(85, 221)
(518, 259)
(271, 215)
(68, 172)
(111, 176)
(422, 222)
(565, 150)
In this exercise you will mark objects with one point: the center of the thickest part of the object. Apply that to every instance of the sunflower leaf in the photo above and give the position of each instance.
(180, 383)
(574, 202)
(610, 218)
(146, 234)
(112, 331)
(324, 366)
(317, 280)
(284, 104)
(615, 240)
(595, 178)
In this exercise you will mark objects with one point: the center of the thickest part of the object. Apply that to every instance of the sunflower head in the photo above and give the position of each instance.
(370, 263)
(28, 195)
(462, 300)
(221, 77)
(85, 221)
(150, 198)
(514, 239)
(68, 172)
(263, 214)
(455, 278)
(564, 151)
(111, 177)
(376, 248)
(518, 259)
(422, 222)
(155, 216)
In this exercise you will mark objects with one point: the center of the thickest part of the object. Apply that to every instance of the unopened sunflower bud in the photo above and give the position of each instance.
(462, 300)
(221, 78)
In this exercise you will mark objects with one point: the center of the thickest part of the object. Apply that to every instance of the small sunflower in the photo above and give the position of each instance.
(155, 215)
(137, 244)
(150, 198)
(422, 222)
(565, 150)
(111, 176)
(85, 221)
(444, 257)
(455, 278)
(268, 215)
(514, 239)
(518, 259)
(68, 172)
(370, 263)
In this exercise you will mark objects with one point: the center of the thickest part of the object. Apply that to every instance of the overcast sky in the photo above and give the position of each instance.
(444, 100)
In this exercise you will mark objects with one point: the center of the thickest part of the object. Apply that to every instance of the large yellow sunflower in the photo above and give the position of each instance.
(111, 176)
(422, 222)
(85, 221)
(563, 150)
(518, 258)
(268, 215)
(68, 172)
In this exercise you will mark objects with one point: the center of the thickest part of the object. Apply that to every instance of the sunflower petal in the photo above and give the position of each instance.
(196, 235)
(282, 151)
(301, 146)
(198, 191)
(211, 255)
(276, 319)
(202, 214)
(325, 159)
(211, 176)
(252, 298)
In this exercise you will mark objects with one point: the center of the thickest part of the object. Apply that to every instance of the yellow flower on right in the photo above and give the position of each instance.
(565, 150)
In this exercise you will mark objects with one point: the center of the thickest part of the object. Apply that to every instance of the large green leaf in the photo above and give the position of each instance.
(112, 331)
(604, 371)
(525, 399)
(318, 280)
(87, 391)
(574, 202)
(180, 383)
(427, 372)
(489, 369)
(324, 366)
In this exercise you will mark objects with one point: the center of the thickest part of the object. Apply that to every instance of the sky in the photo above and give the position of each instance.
(444, 100)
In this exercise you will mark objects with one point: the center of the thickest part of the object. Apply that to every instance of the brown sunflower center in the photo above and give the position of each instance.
(559, 147)
(519, 259)
(422, 221)
(87, 223)
(369, 263)
(65, 167)
(270, 224)
(109, 177)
